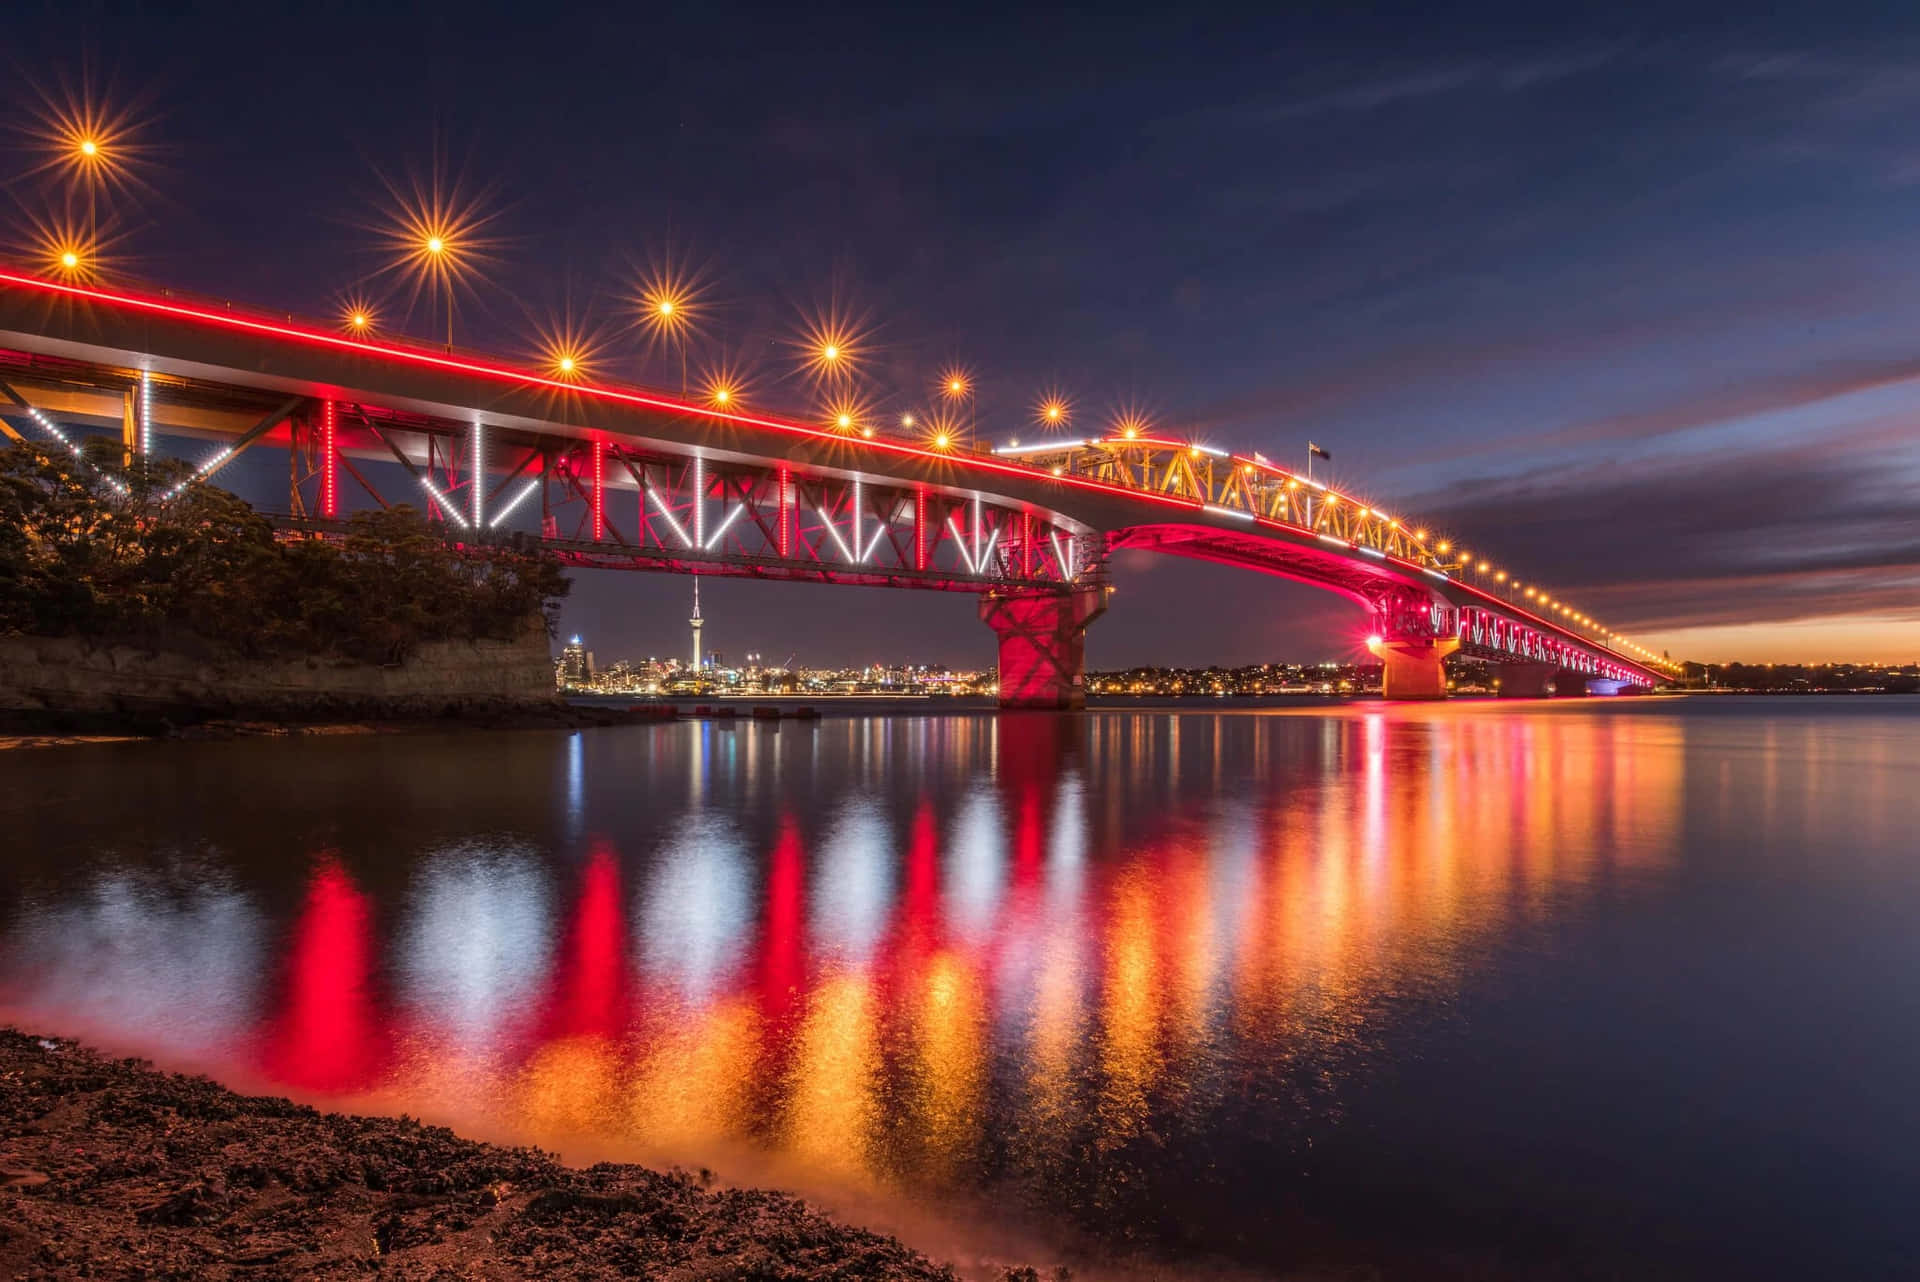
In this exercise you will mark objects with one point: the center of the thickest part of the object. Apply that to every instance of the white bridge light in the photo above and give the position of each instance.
(834, 531)
(960, 542)
(678, 528)
(1044, 447)
(446, 505)
(713, 540)
(513, 503)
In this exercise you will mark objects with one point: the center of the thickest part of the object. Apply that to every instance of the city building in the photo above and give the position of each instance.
(575, 668)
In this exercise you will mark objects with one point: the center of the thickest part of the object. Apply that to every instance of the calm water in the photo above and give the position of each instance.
(1614, 988)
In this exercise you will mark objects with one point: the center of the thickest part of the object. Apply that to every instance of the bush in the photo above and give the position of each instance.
(98, 549)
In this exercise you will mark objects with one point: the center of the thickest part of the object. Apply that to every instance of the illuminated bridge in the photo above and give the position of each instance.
(617, 476)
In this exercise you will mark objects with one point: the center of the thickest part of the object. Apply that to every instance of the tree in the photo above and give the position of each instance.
(94, 548)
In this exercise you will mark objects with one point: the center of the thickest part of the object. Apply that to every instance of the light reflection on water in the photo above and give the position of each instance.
(1123, 972)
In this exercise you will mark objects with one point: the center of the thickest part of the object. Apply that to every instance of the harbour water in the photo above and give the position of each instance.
(1612, 988)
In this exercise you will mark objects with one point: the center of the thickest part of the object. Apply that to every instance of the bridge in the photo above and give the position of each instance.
(618, 476)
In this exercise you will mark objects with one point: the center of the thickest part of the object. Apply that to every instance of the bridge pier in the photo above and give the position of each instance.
(1539, 680)
(1414, 669)
(1413, 633)
(1525, 680)
(1568, 684)
(1043, 644)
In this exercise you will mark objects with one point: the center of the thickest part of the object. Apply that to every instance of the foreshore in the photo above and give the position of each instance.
(111, 1168)
(45, 731)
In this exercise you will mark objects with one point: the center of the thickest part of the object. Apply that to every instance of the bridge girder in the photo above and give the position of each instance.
(619, 458)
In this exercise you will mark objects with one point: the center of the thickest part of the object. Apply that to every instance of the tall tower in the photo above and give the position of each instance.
(697, 622)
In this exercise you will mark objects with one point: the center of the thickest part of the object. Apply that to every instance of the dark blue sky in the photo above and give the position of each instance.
(1627, 301)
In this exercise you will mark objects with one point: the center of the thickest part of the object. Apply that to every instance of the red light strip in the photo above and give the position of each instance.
(329, 484)
(599, 489)
(919, 527)
(786, 512)
(504, 373)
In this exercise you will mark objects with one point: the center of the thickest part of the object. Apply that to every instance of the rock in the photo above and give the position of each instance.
(262, 1187)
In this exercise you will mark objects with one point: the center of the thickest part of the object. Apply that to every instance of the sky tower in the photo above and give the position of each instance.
(696, 621)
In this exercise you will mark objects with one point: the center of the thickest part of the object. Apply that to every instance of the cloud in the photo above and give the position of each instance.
(1417, 84)
(1744, 398)
(1796, 533)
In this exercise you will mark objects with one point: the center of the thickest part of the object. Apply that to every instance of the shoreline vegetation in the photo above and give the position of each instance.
(135, 601)
(143, 553)
(112, 1168)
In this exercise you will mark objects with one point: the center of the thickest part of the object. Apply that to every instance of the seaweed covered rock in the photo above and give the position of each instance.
(111, 1169)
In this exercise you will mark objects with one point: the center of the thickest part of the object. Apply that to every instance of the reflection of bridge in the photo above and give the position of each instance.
(636, 480)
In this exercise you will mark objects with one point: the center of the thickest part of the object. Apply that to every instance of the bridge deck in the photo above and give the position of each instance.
(794, 500)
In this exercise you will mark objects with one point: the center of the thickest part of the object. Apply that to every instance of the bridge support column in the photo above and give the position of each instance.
(1525, 680)
(1413, 669)
(1413, 633)
(1043, 644)
(1538, 680)
(1568, 684)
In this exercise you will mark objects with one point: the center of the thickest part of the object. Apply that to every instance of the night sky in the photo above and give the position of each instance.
(1631, 306)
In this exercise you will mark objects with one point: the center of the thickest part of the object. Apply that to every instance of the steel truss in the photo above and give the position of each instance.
(617, 505)
(1248, 486)
(617, 502)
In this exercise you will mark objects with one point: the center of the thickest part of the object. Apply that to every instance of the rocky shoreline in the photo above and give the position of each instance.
(112, 1169)
(44, 732)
